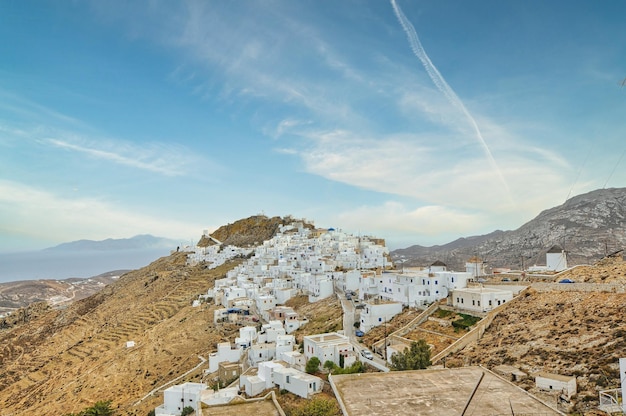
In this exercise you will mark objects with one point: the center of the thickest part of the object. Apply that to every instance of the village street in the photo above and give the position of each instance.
(349, 317)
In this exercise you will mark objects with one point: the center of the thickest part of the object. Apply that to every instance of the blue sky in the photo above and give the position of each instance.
(415, 121)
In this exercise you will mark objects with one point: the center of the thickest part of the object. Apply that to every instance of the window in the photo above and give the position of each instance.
(473, 302)
(457, 300)
(461, 300)
(452, 279)
(489, 302)
(380, 319)
(287, 379)
(478, 303)
(436, 282)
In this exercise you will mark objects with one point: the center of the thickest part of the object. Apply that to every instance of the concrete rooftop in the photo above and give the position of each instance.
(440, 392)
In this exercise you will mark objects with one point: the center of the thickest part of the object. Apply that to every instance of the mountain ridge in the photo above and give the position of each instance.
(587, 226)
(137, 242)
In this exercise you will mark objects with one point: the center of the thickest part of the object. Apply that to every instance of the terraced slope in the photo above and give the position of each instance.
(65, 360)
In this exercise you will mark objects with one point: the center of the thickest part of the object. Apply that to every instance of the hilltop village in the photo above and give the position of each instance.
(273, 316)
(325, 263)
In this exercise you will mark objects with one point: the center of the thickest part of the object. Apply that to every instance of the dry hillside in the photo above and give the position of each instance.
(62, 361)
(565, 332)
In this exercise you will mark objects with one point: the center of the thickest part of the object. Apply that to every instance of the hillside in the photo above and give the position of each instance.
(587, 226)
(62, 361)
(564, 332)
(19, 294)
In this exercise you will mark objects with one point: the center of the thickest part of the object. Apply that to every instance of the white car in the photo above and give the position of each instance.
(367, 354)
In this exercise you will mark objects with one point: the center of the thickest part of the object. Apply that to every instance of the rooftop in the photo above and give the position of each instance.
(439, 392)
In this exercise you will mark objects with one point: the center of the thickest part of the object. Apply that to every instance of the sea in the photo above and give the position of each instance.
(50, 264)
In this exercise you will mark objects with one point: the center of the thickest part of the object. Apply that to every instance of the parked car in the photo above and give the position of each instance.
(359, 333)
(367, 354)
(567, 281)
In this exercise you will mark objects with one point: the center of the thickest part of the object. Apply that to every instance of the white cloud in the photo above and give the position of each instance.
(46, 216)
(397, 222)
(155, 158)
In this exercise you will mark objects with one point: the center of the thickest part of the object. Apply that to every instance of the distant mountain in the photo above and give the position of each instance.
(587, 226)
(138, 242)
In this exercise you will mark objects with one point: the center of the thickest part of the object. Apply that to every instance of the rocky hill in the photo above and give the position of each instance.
(587, 226)
(248, 232)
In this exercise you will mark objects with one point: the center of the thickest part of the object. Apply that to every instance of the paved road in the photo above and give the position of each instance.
(348, 325)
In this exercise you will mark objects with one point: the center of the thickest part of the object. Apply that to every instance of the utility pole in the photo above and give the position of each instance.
(385, 346)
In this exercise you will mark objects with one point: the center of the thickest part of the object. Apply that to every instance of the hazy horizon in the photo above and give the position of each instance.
(41, 264)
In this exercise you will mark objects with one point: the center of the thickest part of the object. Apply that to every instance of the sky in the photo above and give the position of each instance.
(416, 121)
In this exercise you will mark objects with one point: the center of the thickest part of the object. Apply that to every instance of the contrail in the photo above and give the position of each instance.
(444, 88)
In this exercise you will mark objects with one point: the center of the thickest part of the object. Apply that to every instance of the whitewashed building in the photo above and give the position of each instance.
(565, 385)
(299, 383)
(224, 354)
(375, 314)
(480, 299)
(327, 347)
(176, 398)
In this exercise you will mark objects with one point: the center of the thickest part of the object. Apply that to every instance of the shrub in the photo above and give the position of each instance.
(312, 365)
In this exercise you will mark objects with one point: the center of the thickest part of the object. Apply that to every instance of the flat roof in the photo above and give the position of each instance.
(327, 337)
(481, 290)
(439, 392)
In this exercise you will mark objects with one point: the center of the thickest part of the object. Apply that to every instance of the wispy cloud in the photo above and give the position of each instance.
(152, 158)
(44, 215)
(22, 107)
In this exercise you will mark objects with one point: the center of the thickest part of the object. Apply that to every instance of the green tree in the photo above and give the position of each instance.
(152, 412)
(329, 365)
(187, 410)
(312, 365)
(416, 357)
(101, 408)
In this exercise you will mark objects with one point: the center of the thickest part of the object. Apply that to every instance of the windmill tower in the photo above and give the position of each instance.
(556, 259)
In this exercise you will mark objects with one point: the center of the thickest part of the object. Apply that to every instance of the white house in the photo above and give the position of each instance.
(565, 385)
(270, 331)
(326, 347)
(232, 293)
(271, 373)
(480, 299)
(258, 353)
(247, 335)
(177, 397)
(251, 383)
(375, 314)
(320, 287)
(224, 354)
(297, 382)
(295, 359)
